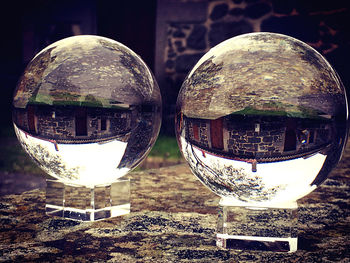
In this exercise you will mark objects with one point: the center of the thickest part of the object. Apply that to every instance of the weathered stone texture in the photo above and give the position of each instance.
(196, 39)
(221, 31)
(173, 219)
(219, 11)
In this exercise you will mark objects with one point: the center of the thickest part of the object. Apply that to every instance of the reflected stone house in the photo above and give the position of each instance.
(263, 138)
(75, 124)
(137, 126)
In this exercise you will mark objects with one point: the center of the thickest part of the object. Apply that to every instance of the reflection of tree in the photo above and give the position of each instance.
(137, 84)
(227, 180)
(197, 91)
(206, 76)
(134, 65)
(141, 138)
(140, 74)
(28, 85)
(92, 101)
(49, 162)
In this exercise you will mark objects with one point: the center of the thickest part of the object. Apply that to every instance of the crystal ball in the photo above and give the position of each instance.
(262, 119)
(87, 109)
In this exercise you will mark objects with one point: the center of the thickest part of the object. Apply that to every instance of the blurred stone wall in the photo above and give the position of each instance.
(187, 29)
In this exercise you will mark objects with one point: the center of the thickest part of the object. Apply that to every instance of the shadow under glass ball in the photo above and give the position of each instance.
(262, 118)
(87, 110)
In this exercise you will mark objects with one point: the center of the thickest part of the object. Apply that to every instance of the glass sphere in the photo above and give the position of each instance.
(87, 109)
(262, 119)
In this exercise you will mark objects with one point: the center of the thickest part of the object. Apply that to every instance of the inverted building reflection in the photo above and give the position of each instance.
(258, 139)
(74, 124)
(133, 125)
(259, 157)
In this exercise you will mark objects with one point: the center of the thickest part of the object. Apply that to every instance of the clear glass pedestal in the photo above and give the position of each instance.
(87, 204)
(257, 228)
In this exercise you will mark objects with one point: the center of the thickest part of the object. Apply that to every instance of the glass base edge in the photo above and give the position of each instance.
(88, 214)
(82, 203)
(275, 244)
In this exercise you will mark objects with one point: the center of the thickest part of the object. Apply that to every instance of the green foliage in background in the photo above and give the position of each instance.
(13, 159)
(166, 146)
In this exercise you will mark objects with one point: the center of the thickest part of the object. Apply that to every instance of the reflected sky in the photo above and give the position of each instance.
(83, 164)
(280, 182)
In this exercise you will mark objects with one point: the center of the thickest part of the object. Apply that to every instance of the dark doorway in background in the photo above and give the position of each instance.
(131, 23)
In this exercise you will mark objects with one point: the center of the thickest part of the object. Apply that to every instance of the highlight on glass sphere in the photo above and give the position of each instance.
(262, 119)
(87, 109)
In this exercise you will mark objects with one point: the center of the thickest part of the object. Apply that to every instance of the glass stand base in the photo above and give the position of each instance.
(87, 204)
(257, 228)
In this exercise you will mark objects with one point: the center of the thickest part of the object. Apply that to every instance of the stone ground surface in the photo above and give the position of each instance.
(173, 219)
